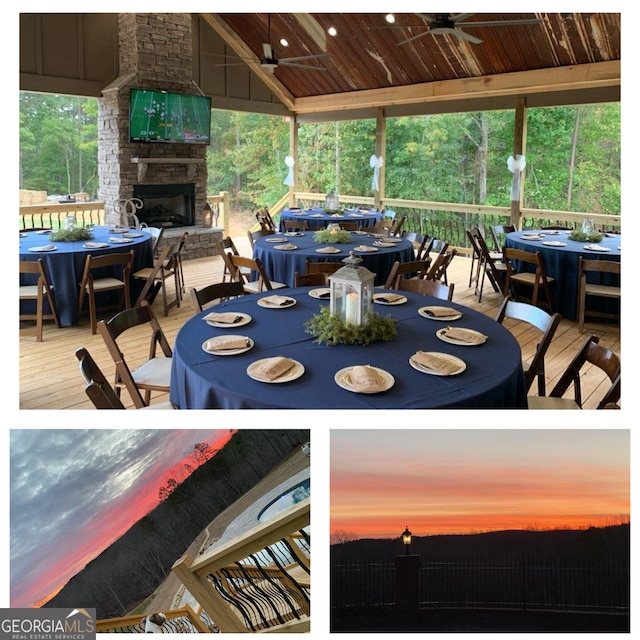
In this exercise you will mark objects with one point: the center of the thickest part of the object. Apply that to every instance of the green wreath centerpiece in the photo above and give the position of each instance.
(73, 234)
(332, 236)
(581, 236)
(331, 330)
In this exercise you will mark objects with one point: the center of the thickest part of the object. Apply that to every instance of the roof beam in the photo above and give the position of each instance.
(587, 76)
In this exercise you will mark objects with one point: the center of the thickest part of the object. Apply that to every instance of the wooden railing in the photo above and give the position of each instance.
(259, 581)
(51, 216)
(220, 209)
(183, 620)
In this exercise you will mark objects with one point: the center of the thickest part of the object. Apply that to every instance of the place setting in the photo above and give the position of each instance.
(389, 298)
(44, 248)
(444, 314)
(276, 239)
(364, 379)
(288, 246)
(230, 345)
(363, 248)
(554, 243)
(122, 240)
(320, 294)
(276, 302)
(276, 370)
(596, 247)
(437, 364)
(328, 250)
(95, 245)
(227, 319)
(461, 336)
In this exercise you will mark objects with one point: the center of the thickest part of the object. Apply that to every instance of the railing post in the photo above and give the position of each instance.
(407, 583)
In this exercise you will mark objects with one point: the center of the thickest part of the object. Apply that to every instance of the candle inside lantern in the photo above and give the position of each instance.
(351, 308)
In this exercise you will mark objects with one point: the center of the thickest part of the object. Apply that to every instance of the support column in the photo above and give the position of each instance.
(407, 583)
(381, 150)
(519, 149)
(293, 152)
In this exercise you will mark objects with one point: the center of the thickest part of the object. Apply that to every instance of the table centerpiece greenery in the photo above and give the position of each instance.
(73, 234)
(581, 236)
(332, 236)
(331, 330)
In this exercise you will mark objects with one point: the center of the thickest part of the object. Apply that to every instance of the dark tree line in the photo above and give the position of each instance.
(134, 566)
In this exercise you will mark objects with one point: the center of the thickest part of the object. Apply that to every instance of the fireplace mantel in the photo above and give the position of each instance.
(144, 162)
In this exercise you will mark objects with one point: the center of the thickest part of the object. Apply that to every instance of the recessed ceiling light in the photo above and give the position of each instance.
(283, 42)
(332, 31)
(390, 18)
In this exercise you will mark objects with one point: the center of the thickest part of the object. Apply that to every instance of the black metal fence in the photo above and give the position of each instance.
(515, 582)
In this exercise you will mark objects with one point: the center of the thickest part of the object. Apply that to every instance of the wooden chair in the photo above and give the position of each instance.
(589, 353)
(349, 226)
(156, 234)
(427, 288)
(545, 323)
(422, 244)
(154, 374)
(412, 268)
(295, 225)
(39, 292)
(382, 226)
(217, 291)
(311, 279)
(322, 267)
(160, 272)
(438, 269)
(152, 284)
(498, 233)
(396, 227)
(92, 286)
(222, 247)
(181, 244)
(260, 233)
(265, 220)
(239, 265)
(538, 279)
(594, 289)
(489, 267)
(99, 391)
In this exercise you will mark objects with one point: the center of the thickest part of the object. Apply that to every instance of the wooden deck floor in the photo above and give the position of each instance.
(49, 376)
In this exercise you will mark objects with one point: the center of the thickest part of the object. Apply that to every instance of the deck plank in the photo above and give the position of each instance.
(43, 385)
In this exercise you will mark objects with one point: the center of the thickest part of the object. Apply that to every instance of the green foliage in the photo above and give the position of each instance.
(74, 234)
(331, 330)
(581, 236)
(333, 236)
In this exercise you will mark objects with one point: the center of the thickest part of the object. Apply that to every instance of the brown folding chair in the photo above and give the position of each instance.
(537, 280)
(349, 226)
(167, 269)
(239, 265)
(396, 227)
(545, 323)
(489, 266)
(153, 283)
(438, 269)
(322, 267)
(295, 225)
(311, 279)
(427, 288)
(422, 244)
(595, 289)
(92, 286)
(39, 292)
(498, 233)
(589, 353)
(260, 233)
(154, 374)
(265, 220)
(217, 291)
(222, 247)
(411, 268)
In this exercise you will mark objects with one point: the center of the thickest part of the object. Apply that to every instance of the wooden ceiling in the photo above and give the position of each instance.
(565, 58)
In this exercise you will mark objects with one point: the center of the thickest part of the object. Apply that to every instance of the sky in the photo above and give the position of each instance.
(451, 481)
(74, 491)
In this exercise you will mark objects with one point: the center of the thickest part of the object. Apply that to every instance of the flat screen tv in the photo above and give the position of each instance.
(160, 116)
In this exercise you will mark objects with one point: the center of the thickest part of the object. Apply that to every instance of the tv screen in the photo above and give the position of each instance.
(159, 116)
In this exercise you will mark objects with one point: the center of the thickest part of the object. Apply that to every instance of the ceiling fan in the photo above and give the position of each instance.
(447, 24)
(270, 62)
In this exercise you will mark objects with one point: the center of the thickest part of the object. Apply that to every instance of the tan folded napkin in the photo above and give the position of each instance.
(223, 318)
(46, 247)
(436, 363)
(365, 379)
(224, 343)
(464, 335)
(364, 247)
(388, 297)
(287, 246)
(440, 312)
(272, 368)
(277, 301)
(328, 250)
(120, 240)
(95, 245)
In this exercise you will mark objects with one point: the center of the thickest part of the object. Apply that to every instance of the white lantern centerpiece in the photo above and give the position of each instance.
(351, 289)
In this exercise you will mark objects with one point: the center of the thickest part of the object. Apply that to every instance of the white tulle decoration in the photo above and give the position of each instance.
(376, 162)
(516, 166)
(289, 161)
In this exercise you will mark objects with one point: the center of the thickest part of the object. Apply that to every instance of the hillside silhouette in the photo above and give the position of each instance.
(132, 567)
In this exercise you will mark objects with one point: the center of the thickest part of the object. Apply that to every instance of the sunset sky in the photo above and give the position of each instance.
(74, 491)
(440, 481)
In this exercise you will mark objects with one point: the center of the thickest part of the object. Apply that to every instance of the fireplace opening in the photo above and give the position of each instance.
(166, 205)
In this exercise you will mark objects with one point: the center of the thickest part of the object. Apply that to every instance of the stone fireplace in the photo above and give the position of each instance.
(171, 179)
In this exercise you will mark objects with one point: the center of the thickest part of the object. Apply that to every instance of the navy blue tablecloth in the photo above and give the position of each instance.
(65, 265)
(317, 218)
(281, 266)
(561, 263)
(493, 377)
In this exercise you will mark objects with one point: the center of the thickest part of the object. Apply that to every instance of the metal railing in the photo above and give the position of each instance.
(260, 581)
(183, 620)
(524, 582)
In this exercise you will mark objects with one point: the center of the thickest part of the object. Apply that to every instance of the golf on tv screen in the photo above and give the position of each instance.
(158, 116)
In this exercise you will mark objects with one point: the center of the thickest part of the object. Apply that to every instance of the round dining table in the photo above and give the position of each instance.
(488, 375)
(64, 261)
(281, 265)
(561, 256)
(317, 218)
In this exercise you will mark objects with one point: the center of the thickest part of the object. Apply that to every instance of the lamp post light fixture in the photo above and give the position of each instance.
(406, 539)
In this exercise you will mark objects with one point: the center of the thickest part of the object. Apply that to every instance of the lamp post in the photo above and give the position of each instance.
(406, 540)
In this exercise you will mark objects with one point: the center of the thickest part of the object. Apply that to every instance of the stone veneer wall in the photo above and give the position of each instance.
(155, 53)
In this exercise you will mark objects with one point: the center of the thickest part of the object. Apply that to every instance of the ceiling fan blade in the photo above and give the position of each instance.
(461, 16)
(424, 33)
(498, 23)
(458, 33)
(285, 63)
(425, 17)
(267, 50)
(313, 57)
